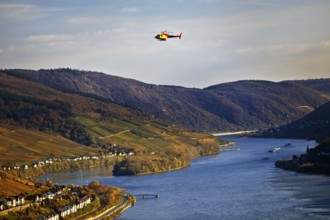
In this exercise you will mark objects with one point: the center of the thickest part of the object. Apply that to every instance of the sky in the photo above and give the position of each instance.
(222, 40)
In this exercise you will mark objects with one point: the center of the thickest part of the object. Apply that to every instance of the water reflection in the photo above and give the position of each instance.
(80, 177)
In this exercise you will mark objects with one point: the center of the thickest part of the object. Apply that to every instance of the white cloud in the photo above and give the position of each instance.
(16, 10)
(327, 44)
(119, 30)
(130, 10)
(289, 48)
(23, 12)
(50, 37)
(83, 20)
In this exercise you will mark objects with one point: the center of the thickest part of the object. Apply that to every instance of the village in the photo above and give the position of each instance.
(111, 150)
(77, 198)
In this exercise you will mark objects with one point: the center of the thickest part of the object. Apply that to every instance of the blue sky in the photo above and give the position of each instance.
(223, 40)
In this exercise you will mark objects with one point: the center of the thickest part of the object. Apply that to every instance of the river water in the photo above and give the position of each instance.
(236, 184)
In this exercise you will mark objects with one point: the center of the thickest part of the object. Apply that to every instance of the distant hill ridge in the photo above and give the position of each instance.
(315, 126)
(240, 105)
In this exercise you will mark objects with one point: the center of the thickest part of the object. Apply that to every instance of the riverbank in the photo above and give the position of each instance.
(232, 143)
(206, 148)
(215, 180)
(314, 161)
(69, 202)
(113, 212)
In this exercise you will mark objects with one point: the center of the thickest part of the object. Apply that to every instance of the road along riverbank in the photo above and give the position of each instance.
(114, 211)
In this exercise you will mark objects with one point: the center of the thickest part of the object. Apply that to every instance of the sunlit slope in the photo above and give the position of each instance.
(144, 136)
(38, 121)
(11, 185)
(22, 145)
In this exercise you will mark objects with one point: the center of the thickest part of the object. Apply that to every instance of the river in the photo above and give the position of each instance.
(236, 184)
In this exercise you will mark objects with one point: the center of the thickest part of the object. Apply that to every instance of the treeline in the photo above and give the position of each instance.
(64, 166)
(44, 115)
(168, 159)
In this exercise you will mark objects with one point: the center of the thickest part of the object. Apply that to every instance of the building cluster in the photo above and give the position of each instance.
(56, 193)
(68, 209)
(110, 151)
(114, 150)
(13, 201)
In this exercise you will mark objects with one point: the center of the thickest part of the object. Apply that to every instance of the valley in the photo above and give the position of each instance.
(64, 120)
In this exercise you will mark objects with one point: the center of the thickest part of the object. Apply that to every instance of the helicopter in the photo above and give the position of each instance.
(164, 35)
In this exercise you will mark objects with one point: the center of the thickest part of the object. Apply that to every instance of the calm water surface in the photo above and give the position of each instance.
(237, 184)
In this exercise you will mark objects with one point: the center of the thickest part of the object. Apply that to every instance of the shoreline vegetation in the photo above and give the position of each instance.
(169, 159)
(314, 161)
(180, 168)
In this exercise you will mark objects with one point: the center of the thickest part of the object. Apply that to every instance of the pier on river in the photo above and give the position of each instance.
(146, 196)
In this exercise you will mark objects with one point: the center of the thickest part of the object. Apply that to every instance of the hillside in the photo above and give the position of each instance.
(315, 125)
(241, 105)
(18, 146)
(38, 122)
(12, 185)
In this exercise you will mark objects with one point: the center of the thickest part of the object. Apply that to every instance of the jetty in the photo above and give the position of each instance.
(146, 196)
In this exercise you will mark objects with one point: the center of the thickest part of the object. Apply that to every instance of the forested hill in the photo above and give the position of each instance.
(321, 85)
(315, 126)
(240, 105)
(38, 122)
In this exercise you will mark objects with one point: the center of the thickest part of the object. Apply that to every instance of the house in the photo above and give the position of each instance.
(10, 202)
(34, 165)
(49, 195)
(58, 190)
(35, 198)
(19, 200)
(84, 202)
(64, 211)
(67, 210)
(2, 204)
(52, 216)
